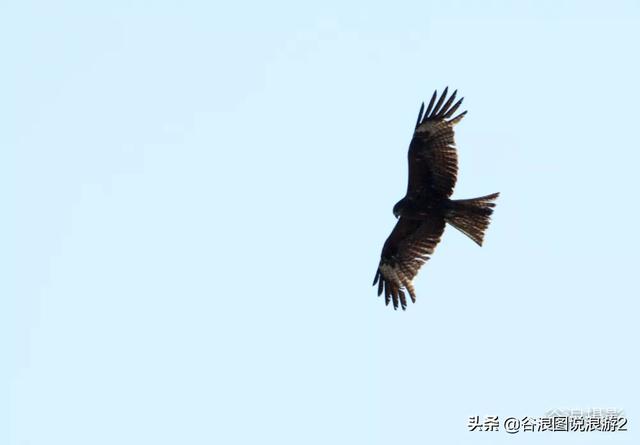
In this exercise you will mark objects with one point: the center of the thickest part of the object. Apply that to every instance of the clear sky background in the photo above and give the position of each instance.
(196, 195)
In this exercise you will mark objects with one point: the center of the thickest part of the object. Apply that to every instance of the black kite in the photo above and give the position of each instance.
(423, 212)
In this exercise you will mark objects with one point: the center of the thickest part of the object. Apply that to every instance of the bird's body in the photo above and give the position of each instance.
(426, 207)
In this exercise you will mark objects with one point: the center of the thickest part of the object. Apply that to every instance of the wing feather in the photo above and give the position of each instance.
(408, 247)
(433, 99)
(420, 115)
(453, 109)
(439, 104)
(433, 158)
(447, 104)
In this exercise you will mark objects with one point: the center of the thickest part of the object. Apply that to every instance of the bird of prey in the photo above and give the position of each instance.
(423, 212)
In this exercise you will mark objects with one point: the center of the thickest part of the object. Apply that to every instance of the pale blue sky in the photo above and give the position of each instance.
(196, 195)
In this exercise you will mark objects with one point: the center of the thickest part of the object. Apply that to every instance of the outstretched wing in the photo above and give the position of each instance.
(408, 247)
(433, 161)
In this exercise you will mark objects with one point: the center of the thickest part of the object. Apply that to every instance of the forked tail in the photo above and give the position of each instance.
(472, 216)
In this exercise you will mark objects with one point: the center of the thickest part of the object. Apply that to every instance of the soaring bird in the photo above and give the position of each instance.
(427, 207)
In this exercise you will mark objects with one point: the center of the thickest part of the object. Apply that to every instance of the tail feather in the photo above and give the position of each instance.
(472, 216)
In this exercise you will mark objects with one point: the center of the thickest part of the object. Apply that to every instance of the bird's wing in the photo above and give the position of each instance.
(433, 161)
(408, 247)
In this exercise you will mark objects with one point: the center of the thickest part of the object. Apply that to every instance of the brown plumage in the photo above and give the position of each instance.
(423, 212)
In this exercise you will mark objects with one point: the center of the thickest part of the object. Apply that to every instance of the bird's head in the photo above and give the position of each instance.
(397, 209)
